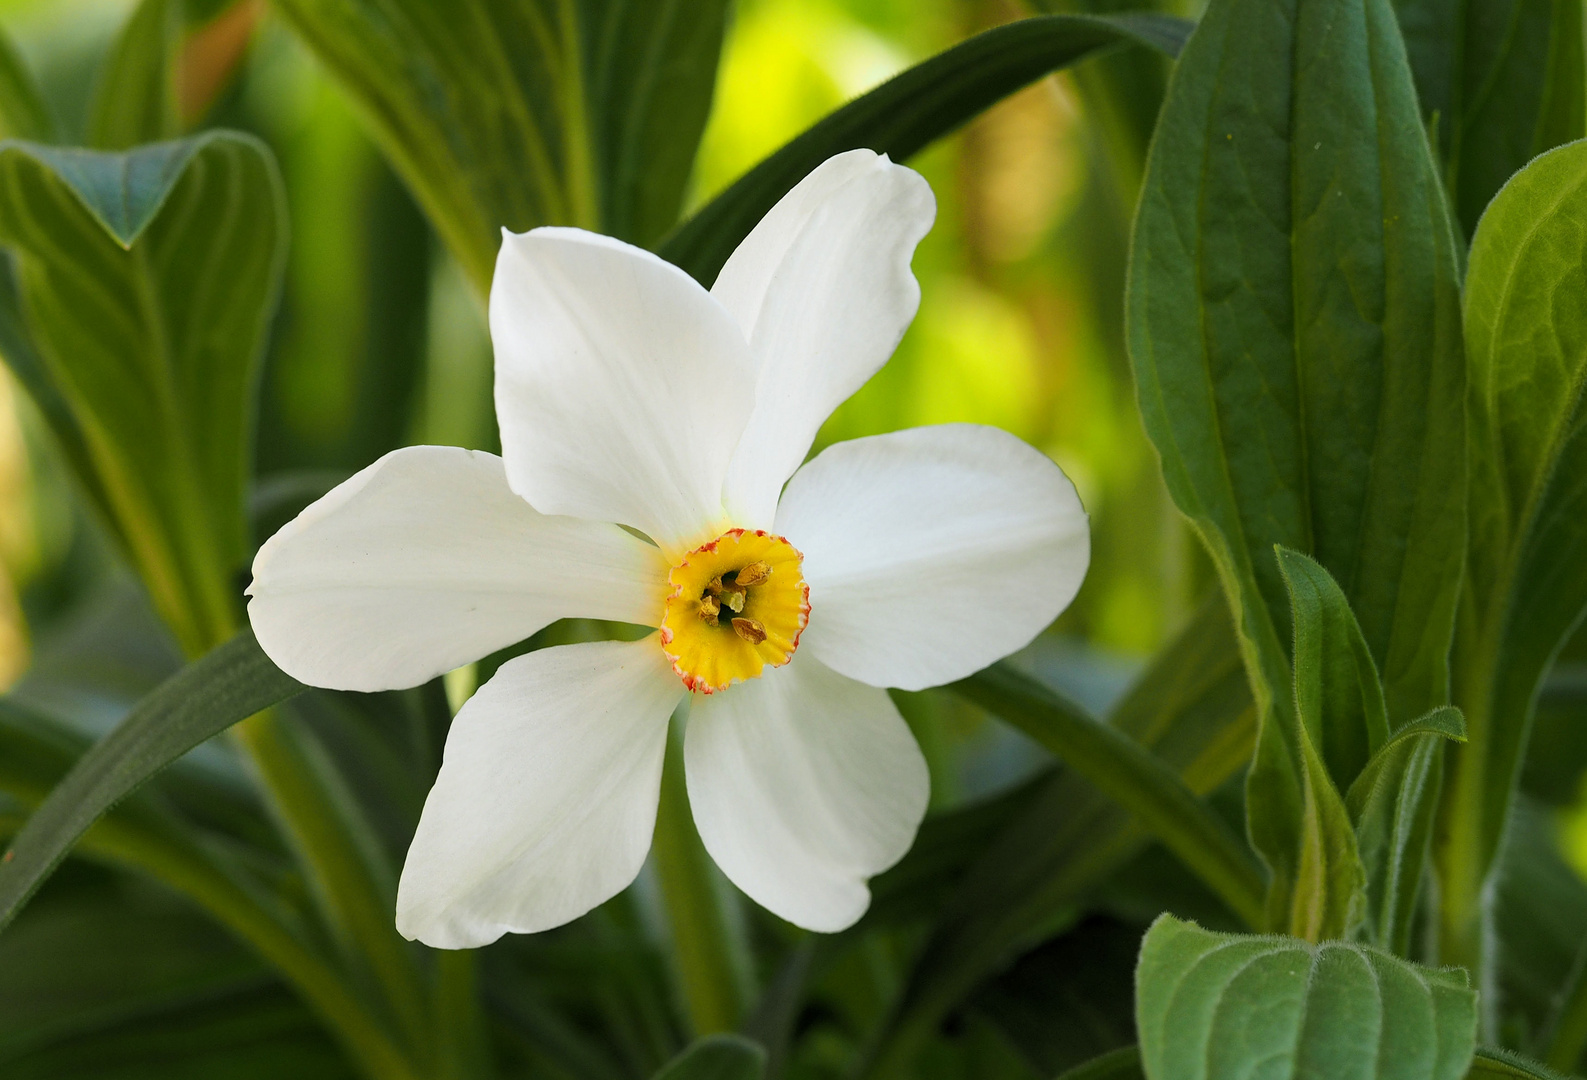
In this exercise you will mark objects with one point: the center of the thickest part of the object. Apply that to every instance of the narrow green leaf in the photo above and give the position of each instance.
(1293, 323)
(910, 111)
(1122, 1064)
(1492, 1063)
(1526, 334)
(1210, 1006)
(1337, 693)
(147, 280)
(135, 96)
(1143, 784)
(230, 684)
(23, 114)
(1500, 81)
(717, 1057)
(512, 114)
(1192, 708)
(1393, 804)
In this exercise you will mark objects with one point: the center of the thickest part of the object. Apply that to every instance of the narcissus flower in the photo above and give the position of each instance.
(632, 401)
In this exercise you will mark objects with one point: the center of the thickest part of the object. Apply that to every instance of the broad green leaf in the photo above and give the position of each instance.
(1500, 81)
(23, 114)
(1495, 1064)
(1393, 803)
(1293, 323)
(147, 280)
(230, 684)
(1132, 776)
(1210, 1006)
(1122, 1064)
(717, 1057)
(1526, 334)
(909, 111)
(135, 97)
(1192, 708)
(518, 113)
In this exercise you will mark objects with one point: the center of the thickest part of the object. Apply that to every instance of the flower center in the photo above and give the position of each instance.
(735, 605)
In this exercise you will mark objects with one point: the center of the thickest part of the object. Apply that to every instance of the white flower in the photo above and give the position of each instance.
(627, 393)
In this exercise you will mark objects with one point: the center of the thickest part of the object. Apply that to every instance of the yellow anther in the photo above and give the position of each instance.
(753, 574)
(750, 630)
(710, 607)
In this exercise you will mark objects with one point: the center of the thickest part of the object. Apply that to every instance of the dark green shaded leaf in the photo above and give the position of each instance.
(1192, 708)
(230, 684)
(1122, 1064)
(1128, 773)
(1211, 1005)
(1500, 81)
(1292, 320)
(717, 1057)
(1069, 1000)
(908, 112)
(1526, 334)
(147, 280)
(513, 114)
(135, 97)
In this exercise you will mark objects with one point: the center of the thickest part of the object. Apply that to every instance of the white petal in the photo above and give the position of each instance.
(932, 552)
(803, 784)
(547, 795)
(427, 560)
(823, 291)
(621, 386)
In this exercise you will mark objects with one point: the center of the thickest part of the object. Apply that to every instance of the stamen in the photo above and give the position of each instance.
(710, 607)
(753, 574)
(750, 630)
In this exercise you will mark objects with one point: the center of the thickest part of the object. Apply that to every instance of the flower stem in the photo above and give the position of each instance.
(710, 956)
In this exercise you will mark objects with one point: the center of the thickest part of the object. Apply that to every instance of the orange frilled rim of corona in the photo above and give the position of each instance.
(735, 606)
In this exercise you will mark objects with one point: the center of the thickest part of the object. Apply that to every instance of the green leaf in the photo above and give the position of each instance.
(1500, 81)
(717, 1057)
(1492, 1063)
(1128, 773)
(1337, 693)
(1294, 811)
(1123, 1064)
(23, 114)
(135, 96)
(514, 113)
(1393, 804)
(908, 112)
(1069, 1000)
(1192, 708)
(230, 684)
(147, 280)
(1526, 334)
(1292, 320)
(1211, 1005)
